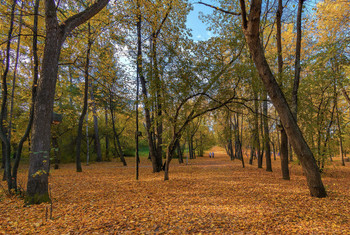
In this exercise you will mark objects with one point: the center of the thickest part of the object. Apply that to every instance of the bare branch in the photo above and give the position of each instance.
(220, 9)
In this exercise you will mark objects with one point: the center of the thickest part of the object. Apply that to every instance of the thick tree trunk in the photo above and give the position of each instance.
(251, 27)
(37, 186)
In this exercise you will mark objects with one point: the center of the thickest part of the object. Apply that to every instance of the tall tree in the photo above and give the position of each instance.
(297, 67)
(85, 103)
(251, 26)
(6, 142)
(56, 33)
(284, 138)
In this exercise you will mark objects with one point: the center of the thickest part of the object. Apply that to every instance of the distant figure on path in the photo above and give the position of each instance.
(209, 154)
(212, 154)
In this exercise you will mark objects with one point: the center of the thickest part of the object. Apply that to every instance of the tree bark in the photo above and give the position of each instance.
(156, 161)
(37, 186)
(34, 88)
(341, 151)
(56, 152)
(238, 144)
(96, 131)
(85, 107)
(3, 135)
(266, 135)
(284, 139)
(256, 131)
(251, 27)
(284, 154)
(106, 135)
(297, 67)
(116, 141)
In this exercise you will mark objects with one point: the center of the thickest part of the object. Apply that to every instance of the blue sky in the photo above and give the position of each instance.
(199, 29)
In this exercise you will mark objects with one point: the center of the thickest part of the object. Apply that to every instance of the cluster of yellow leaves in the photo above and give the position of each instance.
(206, 196)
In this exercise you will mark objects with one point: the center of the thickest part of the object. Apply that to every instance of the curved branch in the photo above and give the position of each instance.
(220, 9)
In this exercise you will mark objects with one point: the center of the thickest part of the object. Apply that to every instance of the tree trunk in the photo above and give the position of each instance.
(106, 135)
(284, 154)
(16, 67)
(85, 107)
(159, 122)
(266, 135)
(180, 153)
(252, 155)
(297, 67)
(283, 144)
(3, 115)
(56, 152)
(37, 186)
(251, 27)
(341, 151)
(34, 88)
(230, 149)
(96, 132)
(116, 141)
(156, 161)
(238, 145)
(256, 130)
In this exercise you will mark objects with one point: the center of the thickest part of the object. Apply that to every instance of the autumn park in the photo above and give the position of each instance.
(175, 117)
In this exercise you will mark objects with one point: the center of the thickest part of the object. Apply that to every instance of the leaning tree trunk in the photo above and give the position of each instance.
(251, 26)
(37, 186)
(116, 142)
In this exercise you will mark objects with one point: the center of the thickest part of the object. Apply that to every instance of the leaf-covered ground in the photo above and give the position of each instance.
(208, 196)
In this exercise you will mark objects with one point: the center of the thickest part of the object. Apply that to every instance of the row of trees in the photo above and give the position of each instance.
(190, 91)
